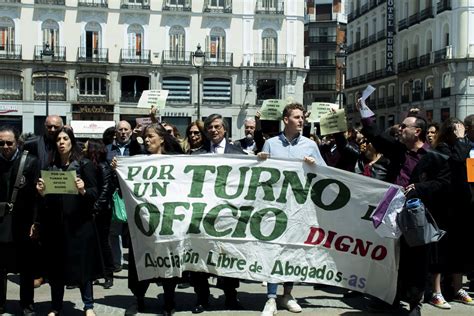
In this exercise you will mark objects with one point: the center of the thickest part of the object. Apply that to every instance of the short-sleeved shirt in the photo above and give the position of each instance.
(298, 148)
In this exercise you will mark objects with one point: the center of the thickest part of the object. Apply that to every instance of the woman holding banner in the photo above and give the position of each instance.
(67, 228)
(157, 142)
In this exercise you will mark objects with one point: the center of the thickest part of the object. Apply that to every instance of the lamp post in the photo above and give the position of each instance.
(341, 57)
(198, 63)
(47, 57)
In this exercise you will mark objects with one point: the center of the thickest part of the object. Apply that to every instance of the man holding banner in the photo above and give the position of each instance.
(290, 144)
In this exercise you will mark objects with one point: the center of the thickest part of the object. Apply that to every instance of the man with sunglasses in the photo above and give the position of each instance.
(423, 173)
(16, 222)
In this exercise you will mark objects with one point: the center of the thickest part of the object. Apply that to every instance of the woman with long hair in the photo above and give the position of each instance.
(449, 254)
(195, 136)
(67, 229)
(94, 150)
(157, 142)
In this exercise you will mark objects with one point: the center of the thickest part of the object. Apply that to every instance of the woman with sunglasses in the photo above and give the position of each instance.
(195, 136)
(67, 229)
(157, 142)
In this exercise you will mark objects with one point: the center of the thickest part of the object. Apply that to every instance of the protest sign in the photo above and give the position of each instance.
(272, 109)
(333, 122)
(151, 98)
(470, 169)
(364, 110)
(274, 220)
(59, 182)
(318, 109)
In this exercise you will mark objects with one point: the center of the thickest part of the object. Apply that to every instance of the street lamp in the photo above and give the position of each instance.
(341, 57)
(198, 63)
(47, 57)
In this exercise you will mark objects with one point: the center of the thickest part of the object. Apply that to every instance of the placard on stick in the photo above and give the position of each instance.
(156, 98)
(272, 109)
(333, 122)
(59, 182)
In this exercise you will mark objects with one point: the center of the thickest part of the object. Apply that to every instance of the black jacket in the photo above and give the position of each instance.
(229, 149)
(105, 179)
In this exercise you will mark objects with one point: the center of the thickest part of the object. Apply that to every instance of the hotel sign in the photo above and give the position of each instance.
(390, 35)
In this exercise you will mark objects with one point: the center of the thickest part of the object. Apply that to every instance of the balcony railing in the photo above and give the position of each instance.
(143, 5)
(445, 92)
(11, 95)
(413, 19)
(440, 55)
(269, 60)
(209, 8)
(93, 55)
(93, 3)
(130, 96)
(426, 14)
(381, 73)
(134, 56)
(405, 98)
(58, 51)
(85, 98)
(443, 5)
(428, 95)
(51, 96)
(416, 96)
(322, 39)
(223, 60)
(413, 63)
(171, 57)
(425, 59)
(10, 51)
(183, 6)
(372, 4)
(390, 101)
(402, 66)
(10, 1)
(322, 62)
(381, 35)
(381, 102)
(320, 87)
(402, 24)
(269, 7)
(53, 2)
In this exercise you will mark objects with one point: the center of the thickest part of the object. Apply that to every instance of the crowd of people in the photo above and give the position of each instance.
(81, 244)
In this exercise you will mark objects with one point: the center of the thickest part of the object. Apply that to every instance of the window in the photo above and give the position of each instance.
(447, 80)
(57, 88)
(179, 89)
(7, 34)
(177, 42)
(92, 39)
(10, 85)
(216, 90)
(444, 114)
(267, 89)
(50, 30)
(215, 44)
(323, 12)
(93, 86)
(269, 45)
(135, 41)
(176, 2)
(216, 3)
(132, 87)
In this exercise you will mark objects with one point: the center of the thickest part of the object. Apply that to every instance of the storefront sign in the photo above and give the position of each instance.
(94, 109)
(4, 109)
(390, 34)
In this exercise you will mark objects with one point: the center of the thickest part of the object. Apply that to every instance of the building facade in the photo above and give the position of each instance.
(107, 52)
(325, 24)
(416, 53)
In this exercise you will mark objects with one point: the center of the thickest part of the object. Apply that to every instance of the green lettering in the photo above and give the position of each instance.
(196, 218)
(292, 179)
(154, 218)
(342, 198)
(165, 172)
(281, 221)
(256, 182)
(159, 187)
(245, 212)
(199, 175)
(169, 216)
(210, 220)
(132, 172)
(277, 268)
(149, 172)
(137, 186)
(221, 182)
(369, 213)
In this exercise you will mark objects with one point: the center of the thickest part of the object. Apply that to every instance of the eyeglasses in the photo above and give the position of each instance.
(362, 141)
(52, 126)
(194, 133)
(216, 127)
(8, 142)
(403, 126)
(169, 131)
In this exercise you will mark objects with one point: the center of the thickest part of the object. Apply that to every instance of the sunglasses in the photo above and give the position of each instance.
(3, 142)
(403, 126)
(51, 126)
(194, 133)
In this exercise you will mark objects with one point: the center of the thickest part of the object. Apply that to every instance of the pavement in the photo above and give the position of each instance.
(322, 301)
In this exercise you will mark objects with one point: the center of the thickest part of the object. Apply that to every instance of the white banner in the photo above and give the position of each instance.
(274, 220)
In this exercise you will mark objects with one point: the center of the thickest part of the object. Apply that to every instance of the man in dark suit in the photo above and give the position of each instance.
(16, 226)
(216, 130)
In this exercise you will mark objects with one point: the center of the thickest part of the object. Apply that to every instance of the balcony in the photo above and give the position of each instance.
(426, 14)
(390, 101)
(10, 1)
(425, 59)
(84, 98)
(381, 35)
(405, 98)
(381, 73)
(413, 63)
(402, 24)
(428, 95)
(372, 4)
(130, 96)
(209, 8)
(445, 92)
(443, 5)
(322, 62)
(12, 96)
(171, 57)
(269, 60)
(219, 60)
(364, 9)
(135, 5)
(416, 96)
(402, 66)
(51, 2)
(413, 19)
(133, 56)
(381, 102)
(177, 5)
(364, 43)
(51, 96)
(320, 87)
(322, 39)
(93, 3)
(10, 51)
(270, 7)
(440, 55)
(59, 52)
(93, 55)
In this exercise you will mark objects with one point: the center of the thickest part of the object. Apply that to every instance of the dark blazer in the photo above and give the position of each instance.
(68, 232)
(41, 148)
(257, 138)
(105, 187)
(229, 149)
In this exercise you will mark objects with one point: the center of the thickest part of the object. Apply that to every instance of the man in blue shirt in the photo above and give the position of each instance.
(289, 144)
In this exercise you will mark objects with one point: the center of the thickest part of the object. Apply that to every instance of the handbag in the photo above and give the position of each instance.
(7, 207)
(119, 213)
(418, 225)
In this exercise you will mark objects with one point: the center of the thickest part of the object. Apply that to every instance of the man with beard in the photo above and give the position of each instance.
(16, 220)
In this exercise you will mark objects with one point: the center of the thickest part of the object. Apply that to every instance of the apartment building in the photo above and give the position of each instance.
(325, 26)
(417, 53)
(107, 52)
